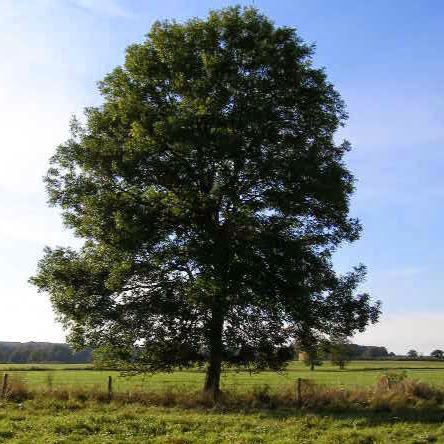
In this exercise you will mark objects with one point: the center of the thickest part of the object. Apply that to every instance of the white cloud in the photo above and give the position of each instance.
(27, 316)
(37, 228)
(107, 7)
(401, 332)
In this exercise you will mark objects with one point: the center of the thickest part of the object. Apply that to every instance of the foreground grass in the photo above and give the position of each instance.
(395, 409)
(69, 421)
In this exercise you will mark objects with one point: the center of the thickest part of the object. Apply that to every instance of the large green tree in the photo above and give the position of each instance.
(211, 195)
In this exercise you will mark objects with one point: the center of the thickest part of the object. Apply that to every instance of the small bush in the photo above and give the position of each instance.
(391, 379)
(16, 389)
(262, 393)
(49, 381)
(422, 390)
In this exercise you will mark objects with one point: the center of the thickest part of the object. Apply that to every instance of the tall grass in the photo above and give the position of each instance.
(16, 389)
(390, 393)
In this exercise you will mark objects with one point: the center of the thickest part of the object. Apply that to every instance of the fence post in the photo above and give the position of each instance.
(110, 387)
(4, 385)
(298, 392)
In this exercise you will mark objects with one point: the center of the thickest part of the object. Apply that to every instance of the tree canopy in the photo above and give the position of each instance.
(438, 354)
(211, 194)
(412, 354)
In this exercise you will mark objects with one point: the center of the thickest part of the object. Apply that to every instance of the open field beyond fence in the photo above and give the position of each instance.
(357, 373)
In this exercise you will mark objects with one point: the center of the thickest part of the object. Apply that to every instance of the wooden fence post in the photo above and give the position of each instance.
(110, 387)
(298, 392)
(4, 385)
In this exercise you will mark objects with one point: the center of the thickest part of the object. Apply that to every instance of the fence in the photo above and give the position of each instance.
(110, 387)
(122, 382)
(231, 380)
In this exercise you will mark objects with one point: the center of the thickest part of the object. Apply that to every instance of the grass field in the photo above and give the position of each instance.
(63, 422)
(358, 373)
(45, 420)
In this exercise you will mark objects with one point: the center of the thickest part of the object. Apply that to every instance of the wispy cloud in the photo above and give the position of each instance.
(111, 8)
(401, 273)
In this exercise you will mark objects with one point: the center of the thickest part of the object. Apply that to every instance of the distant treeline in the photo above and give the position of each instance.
(362, 352)
(26, 352)
(368, 352)
(29, 352)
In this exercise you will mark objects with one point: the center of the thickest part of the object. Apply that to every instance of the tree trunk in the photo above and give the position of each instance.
(312, 366)
(212, 379)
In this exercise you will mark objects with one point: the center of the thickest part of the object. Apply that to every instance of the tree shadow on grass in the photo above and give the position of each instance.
(369, 417)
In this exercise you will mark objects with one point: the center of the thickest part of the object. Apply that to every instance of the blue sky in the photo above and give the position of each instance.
(384, 57)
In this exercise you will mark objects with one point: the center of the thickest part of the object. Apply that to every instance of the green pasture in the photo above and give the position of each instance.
(357, 373)
(65, 422)
(46, 420)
